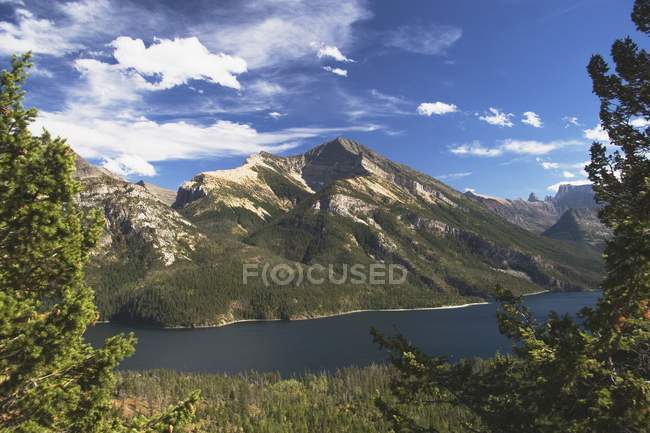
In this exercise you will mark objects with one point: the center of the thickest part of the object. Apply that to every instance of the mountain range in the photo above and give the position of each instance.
(572, 214)
(176, 259)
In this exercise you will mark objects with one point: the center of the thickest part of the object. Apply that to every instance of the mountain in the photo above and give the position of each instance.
(574, 197)
(541, 216)
(580, 225)
(134, 217)
(532, 215)
(339, 204)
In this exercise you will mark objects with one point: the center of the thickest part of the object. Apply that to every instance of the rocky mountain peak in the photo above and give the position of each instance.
(165, 195)
(85, 170)
(340, 158)
(533, 198)
(574, 196)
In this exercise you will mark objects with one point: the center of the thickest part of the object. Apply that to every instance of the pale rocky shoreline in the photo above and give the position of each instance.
(345, 313)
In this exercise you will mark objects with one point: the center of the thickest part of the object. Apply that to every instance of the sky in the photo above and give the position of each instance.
(489, 95)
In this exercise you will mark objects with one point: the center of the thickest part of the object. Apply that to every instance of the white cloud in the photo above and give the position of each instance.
(429, 40)
(177, 61)
(476, 149)
(550, 165)
(531, 118)
(266, 88)
(76, 21)
(106, 84)
(597, 133)
(337, 71)
(454, 175)
(43, 72)
(126, 144)
(498, 118)
(270, 33)
(556, 186)
(378, 104)
(567, 174)
(518, 147)
(640, 122)
(571, 121)
(439, 108)
(126, 165)
(331, 51)
(533, 147)
(276, 115)
(33, 34)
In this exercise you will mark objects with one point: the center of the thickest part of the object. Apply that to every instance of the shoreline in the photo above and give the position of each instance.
(326, 316)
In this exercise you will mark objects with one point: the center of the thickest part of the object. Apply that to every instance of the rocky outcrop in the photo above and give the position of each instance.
(134, 216)
(165, 195)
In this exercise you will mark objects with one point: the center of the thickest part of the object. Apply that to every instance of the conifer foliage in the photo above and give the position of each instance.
(585, 376)
(51, 380)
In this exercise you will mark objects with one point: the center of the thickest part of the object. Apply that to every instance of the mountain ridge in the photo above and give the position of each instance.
(338, 203)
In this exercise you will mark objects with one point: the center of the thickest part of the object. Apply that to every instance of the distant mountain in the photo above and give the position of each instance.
(533, 215)
(574, 197)
(339, 203)
(581, 225)
(540, 216)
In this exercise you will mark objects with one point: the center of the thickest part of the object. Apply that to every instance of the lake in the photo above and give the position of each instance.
(329, 343)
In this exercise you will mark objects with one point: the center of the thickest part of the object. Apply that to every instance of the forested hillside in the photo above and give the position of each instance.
(342, 402)
(338, 205)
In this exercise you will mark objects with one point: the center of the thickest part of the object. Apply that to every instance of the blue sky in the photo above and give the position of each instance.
(490, 95)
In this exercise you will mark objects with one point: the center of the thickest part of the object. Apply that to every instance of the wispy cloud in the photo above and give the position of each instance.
(518, 147)
(375, 104)
(552, 165)
(498, 118)
(452, 176)
(570, 121)
(430, 40)
(132, 145)
(274, 33)
(476, 149)
(39, 35)
(336, 71)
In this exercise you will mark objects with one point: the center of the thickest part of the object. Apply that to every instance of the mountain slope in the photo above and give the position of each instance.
(580, 225)
(134, 216)
(337, 205)
(165, 195)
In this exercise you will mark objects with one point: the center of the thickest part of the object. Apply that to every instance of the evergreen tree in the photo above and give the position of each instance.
(51, 380)
(564, 376)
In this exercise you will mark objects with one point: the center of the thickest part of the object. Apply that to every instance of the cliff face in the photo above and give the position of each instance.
(134, 216)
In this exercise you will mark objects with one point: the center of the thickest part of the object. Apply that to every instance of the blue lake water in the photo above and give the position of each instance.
(330, 343)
